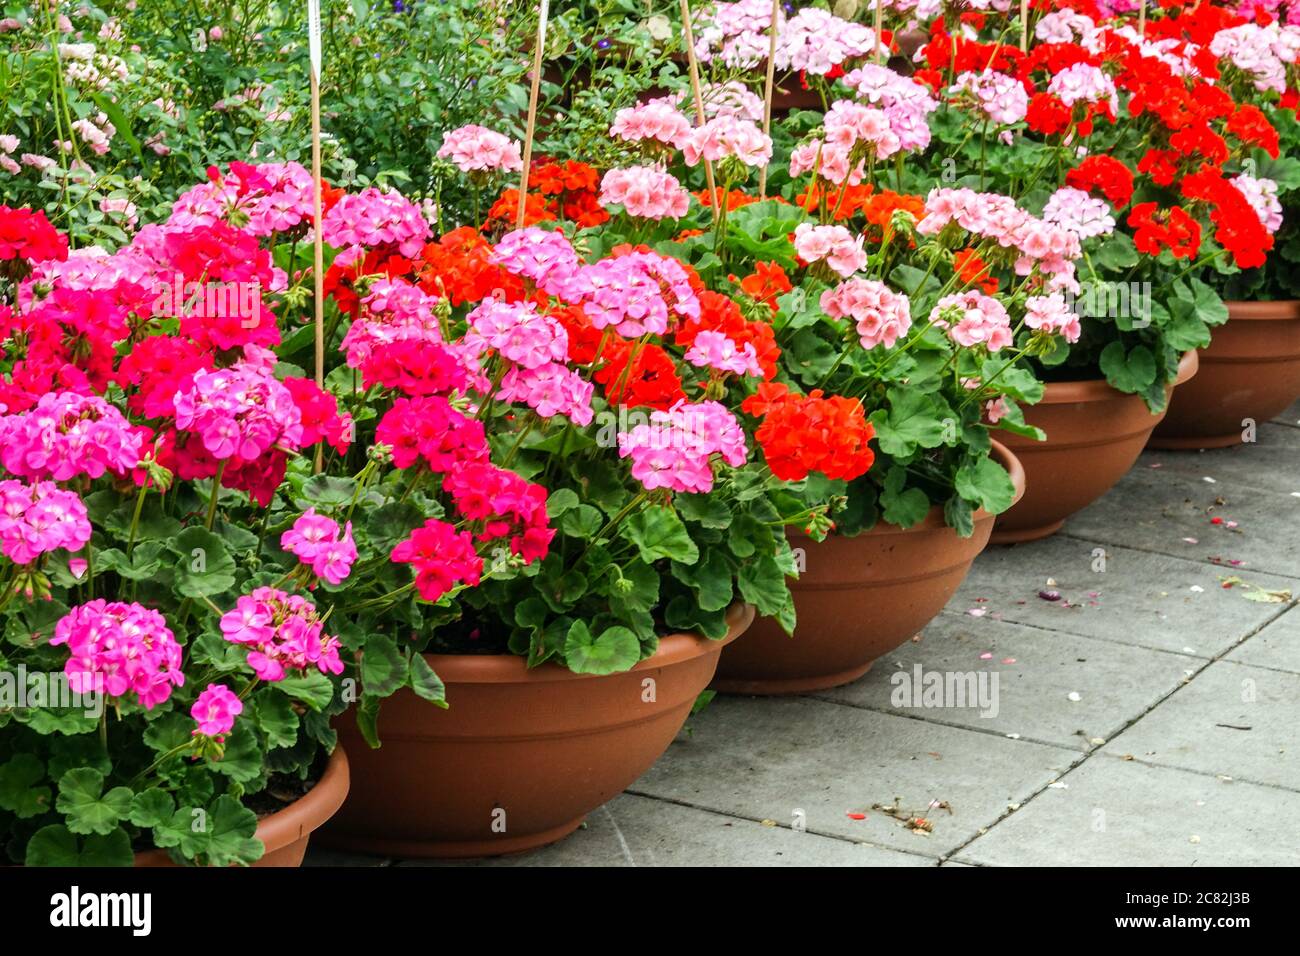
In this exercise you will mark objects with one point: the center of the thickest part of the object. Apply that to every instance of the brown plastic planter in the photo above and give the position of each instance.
(1249, 372)
(1094, 435)
(858, 598)
(285, 833)
(521, 756)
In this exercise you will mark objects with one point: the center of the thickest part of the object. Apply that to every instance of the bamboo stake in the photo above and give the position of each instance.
(318, 251)
(1024, 26)
(1142, 18)
(767, 92)
(543, 13)
(880, 49)
(688, 34)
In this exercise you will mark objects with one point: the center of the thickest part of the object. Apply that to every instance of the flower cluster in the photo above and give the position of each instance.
(28, 235)
(475, 149)
(657, 123)
(240, 412)
(503, 505)
(215, 711)
(66, 435)
(1048, 247)
(117, 649)
(443, 558)
(317, 542)
(427, 429)
(728, 136)
(645, 191)
(801, 434)
(636, 294)
(882, 315)
(676, 448)
(374, 218)
(283, 632)
(841, 250)
(973, 318)
(38, 518)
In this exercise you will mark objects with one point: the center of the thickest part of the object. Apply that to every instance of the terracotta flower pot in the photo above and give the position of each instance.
(285, 833)
(1094, 435)
(858, 598)
(1251, 370)
(521, 756)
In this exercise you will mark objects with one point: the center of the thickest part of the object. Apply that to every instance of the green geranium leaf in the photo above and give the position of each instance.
(748, 534)
(145, 561)
(560, 501)
(987, 482)
(704, 510)
(218, 835)
(311, 687)
(709, 578)
(1019, 383)
(959, 515)
(151, 807)
(762, 584)
(18, 791)
(327, 493)
(658, 533)
(277, 719)
(243, 758)
(616, 649)
(581, 522)
(85, 805)
(383, 668)
(913, 419)
(640, 592)
(206, 567)
(904, 507)
(1130, 372)
(58, 846)
(425, 682)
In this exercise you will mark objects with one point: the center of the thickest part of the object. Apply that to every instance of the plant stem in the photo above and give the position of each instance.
(216, 493)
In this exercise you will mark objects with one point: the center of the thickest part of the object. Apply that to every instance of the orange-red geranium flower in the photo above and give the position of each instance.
(801, 434)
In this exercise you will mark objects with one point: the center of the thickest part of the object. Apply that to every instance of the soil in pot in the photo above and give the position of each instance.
(1249, 374)
(285, 832)
(857, 598)
(1094, 435)
(520, 756)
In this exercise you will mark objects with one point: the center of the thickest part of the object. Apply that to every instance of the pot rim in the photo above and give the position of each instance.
(292, 823)
(1099, 390)
(934, 519)
(1256, 310)
(512, 669)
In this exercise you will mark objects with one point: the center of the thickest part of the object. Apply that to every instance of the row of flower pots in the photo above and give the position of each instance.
(527, 754)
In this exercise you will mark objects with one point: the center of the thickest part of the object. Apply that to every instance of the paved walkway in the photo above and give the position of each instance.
(1151, 716)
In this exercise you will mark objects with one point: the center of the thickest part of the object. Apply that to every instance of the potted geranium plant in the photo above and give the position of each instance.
(1115, 144)
(881, 428)
(148, 715)
(1250, 371)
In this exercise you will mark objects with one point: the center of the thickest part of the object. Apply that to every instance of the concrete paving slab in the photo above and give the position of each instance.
(1124, 813)
(1276, 646)
(1141, 599)
(1042, 685)
(769, 758)
(1156, 511)
(638, 831)
(320, 856)
(1291, 416)
(1231, 719)
(1266, 467)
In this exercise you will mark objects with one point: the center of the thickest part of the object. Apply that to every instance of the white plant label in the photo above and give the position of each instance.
(313, 36)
